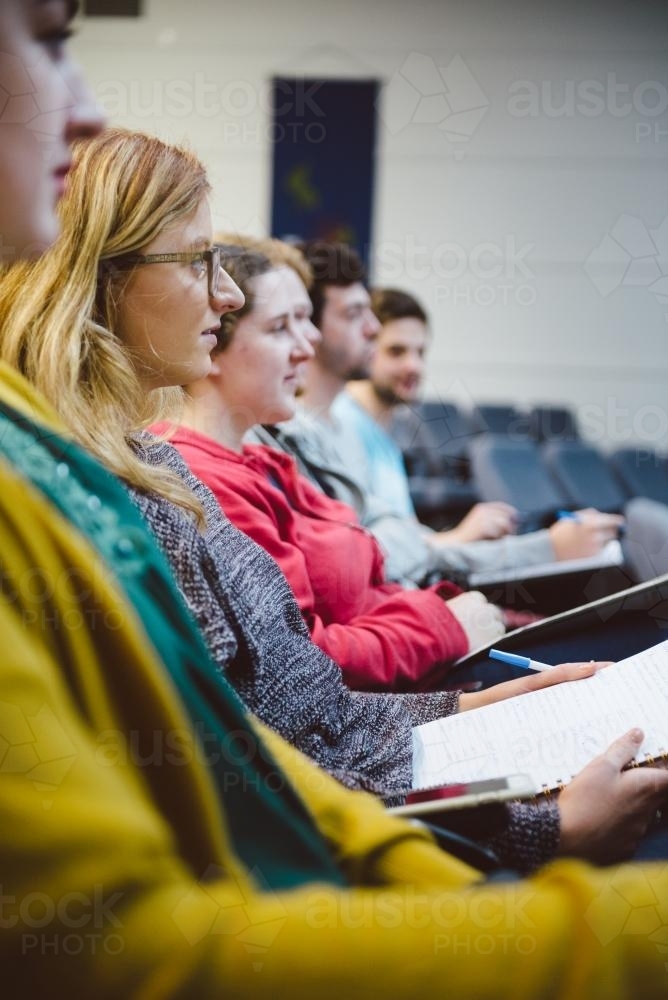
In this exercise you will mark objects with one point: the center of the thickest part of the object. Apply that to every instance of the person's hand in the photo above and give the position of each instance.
(481, 621)
(483, 521)
(576, 538)
(516, 618)
(532, 682)
(605, 810)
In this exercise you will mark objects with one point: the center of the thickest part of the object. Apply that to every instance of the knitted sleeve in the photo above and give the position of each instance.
(258, 638)
(530, 838)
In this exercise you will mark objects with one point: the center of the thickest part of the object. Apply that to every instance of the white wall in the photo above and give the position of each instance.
(493, 231)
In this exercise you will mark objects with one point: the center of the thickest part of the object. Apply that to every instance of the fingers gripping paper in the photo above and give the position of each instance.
(553, 733)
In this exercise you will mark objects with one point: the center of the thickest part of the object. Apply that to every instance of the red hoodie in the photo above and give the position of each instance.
(381, 635)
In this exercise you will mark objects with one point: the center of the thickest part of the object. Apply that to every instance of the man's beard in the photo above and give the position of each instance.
(357, 374)
(333, 359)
(387, 396)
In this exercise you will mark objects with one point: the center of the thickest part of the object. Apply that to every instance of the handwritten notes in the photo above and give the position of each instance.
(550, 734)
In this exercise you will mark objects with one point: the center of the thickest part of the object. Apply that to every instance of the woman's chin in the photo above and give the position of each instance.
(289, 409)
(279, 412)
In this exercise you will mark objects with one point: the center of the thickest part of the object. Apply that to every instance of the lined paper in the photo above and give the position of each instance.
(550, 734)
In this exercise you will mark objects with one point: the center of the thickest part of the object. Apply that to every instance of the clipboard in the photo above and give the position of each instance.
(611, 628)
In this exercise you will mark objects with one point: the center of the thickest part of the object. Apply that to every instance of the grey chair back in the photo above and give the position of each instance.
(584, 476)
(642, 472)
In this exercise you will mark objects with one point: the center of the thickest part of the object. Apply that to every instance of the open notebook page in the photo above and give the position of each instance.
(552, 734)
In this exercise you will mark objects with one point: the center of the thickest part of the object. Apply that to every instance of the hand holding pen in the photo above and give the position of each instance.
(533, 681)
(514, 660)
(540, 675)
(582, 533)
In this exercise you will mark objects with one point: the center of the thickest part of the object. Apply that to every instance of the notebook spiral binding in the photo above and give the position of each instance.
(648, 760)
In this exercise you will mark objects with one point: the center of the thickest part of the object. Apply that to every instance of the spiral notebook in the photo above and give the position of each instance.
(552, 734)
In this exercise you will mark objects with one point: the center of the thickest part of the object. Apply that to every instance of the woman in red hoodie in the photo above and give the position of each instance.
(382, 635)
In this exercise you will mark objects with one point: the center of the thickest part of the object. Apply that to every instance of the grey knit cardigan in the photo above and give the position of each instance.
(257, 636)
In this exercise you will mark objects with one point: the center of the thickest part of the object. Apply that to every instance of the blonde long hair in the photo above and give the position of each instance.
(57, 315)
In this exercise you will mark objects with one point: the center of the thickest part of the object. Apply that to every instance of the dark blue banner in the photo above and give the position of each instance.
(324, 152)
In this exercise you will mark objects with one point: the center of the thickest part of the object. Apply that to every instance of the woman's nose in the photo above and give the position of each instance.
(228, 296)
(86, 120)
(304, 348)
(313, 334)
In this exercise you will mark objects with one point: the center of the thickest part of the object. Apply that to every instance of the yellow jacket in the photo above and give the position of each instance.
(117, 878)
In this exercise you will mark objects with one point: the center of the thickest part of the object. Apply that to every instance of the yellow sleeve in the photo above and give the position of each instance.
(118, 881)
(372, 846)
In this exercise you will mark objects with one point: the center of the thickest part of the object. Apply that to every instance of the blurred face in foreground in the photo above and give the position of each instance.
(397, 368)
(46, 107)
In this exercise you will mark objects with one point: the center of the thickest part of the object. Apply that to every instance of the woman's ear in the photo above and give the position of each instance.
(215, 367)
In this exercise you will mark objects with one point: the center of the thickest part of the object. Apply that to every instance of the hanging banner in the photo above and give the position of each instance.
(324, 153)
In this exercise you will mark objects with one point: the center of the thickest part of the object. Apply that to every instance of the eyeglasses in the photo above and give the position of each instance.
(210, 258)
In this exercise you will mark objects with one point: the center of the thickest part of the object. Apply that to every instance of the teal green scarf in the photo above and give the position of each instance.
(271, 830)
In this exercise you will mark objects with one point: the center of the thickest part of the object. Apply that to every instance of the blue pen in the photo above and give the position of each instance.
(518, 661)
(572, 515)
